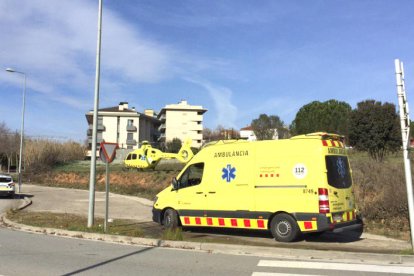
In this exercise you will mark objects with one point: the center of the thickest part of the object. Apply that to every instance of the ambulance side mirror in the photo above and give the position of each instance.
(175, 183)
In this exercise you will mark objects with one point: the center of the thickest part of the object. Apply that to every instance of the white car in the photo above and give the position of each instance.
(6, 185)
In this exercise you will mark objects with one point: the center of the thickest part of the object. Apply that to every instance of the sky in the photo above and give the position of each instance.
(238, 58)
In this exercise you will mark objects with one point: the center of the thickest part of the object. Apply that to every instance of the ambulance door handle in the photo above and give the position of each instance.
(211, 192)
(199, 193)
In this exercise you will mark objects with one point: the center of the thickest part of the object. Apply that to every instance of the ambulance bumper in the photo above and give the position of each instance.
(156, 215)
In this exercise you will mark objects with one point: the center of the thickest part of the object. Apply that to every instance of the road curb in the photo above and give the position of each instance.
(26, 202)
(214, 248)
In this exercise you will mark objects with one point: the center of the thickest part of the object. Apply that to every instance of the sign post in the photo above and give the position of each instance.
(405, 132)
(107, 154)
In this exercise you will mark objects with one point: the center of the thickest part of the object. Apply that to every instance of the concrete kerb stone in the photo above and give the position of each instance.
(269, 252)
(25, 202)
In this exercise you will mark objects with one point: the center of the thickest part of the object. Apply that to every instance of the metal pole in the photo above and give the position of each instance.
(22, 135)
(92, 178)
(405, 132)
(106, 198)
(22, 126)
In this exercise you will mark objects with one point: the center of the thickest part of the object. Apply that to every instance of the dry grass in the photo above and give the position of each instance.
(145, 184)
(73, 222)
(380, 192)
(41, 155)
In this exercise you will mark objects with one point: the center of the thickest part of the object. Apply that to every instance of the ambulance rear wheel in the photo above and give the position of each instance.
(170, 219)
(284, 228)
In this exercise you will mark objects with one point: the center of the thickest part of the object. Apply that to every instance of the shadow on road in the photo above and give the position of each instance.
(260, 236)
(108, 261)
(15, 196)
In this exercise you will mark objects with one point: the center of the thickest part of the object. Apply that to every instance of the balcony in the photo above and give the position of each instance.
(89, 132)
(131, 142)
(197, 118)
(162, 137)
(98, 140)
(131, 128)
(161, 127)
(99, 128)
(197, 136)
(197, 127)
(163, 118)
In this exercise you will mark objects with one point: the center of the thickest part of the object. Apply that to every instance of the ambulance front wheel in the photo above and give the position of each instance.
(284, 228)
(170, 219)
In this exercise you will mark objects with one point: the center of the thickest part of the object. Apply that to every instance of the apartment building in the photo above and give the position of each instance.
(124, 126)
(182, 121)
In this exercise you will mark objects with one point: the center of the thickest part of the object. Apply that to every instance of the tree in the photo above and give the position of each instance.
(9, 146)
(265, 126)
(375, 128)
(330, 116)
(220, 133)
(174, 145)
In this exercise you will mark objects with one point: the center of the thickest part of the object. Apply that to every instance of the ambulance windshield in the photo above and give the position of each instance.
(338, 171)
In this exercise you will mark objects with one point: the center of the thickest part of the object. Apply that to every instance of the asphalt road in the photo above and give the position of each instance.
(37, 254)
(7, 203)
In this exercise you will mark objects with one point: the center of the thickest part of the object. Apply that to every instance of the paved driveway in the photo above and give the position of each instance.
(60, 200)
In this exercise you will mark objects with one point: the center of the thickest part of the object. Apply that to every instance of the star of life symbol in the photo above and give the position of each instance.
(341, 167)
(228, 173)
(143, 157)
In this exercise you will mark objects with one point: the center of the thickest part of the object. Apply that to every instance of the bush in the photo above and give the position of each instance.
(380, 191)
(41, 155)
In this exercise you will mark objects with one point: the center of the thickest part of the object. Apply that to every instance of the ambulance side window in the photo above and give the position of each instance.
(192, 175)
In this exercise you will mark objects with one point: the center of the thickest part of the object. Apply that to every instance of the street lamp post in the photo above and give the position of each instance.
(22, 125)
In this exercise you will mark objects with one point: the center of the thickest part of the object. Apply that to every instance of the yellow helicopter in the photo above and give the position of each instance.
(147, 157)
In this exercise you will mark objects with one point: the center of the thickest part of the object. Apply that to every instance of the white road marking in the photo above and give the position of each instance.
(339, 266)
(280, 274)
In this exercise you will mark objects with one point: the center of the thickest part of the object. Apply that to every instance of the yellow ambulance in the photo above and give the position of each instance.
(292, 186)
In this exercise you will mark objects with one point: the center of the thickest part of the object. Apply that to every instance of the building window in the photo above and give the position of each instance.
(130, 122)
(100, 120)
(129, 147)
(130, 136)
